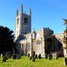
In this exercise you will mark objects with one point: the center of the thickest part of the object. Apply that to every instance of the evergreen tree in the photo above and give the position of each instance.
(6, 39)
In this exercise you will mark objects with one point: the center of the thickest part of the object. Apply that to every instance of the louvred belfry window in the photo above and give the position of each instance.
(25, 20)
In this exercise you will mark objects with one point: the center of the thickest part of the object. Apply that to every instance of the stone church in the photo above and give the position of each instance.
(41, 41)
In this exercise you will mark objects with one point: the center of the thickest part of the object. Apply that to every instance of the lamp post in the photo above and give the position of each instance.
(65, 42)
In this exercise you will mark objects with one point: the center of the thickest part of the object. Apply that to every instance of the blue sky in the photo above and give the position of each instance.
(45, 13)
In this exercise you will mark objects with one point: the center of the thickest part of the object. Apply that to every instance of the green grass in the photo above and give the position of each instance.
(25, 62)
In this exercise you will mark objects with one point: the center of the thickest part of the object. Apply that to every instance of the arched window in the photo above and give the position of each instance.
(17, 21)
(25, 20)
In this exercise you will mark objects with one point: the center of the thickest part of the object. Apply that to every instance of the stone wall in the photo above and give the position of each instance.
(36, 44)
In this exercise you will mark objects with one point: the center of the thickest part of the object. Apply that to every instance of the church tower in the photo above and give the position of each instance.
(22, 23)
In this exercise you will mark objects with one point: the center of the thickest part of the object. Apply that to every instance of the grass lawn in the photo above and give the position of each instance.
(25, 62)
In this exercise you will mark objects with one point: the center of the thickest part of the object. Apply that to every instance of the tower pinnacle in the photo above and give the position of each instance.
(21, 9)
(29, 13)
(16, 12)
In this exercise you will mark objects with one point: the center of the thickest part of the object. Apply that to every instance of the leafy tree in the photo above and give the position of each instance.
(6, 39)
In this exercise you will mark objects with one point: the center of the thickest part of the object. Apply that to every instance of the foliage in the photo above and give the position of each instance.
(28, 54)
(33, 54)
(30, 57)
(4, 59)
(39, 56)
(36, 56)
(6, 39)
(33, 59)
(46, 55)
(65, 61)
(14, 56)
(50, 56)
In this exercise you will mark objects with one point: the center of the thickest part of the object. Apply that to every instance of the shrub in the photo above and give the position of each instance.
(18, 56)
(30, 58)
(39, 56)
(33, 59)
(50, 56)
(4, 59)
(9, 55)
(33, 54)
(65, 60)
(14, 56)
(57, 55)
(36, 56)
(46, 55)
(28, 54)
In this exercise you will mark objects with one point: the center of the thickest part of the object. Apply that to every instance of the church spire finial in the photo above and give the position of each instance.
(29, 13)
(17, 12)
(21, 9)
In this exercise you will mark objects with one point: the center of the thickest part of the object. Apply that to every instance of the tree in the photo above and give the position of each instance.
(6, 39)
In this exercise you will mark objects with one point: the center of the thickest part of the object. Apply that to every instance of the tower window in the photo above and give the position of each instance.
(18, 21)
(25, 20)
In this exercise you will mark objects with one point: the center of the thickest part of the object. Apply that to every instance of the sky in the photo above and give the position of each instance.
(45, 13)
